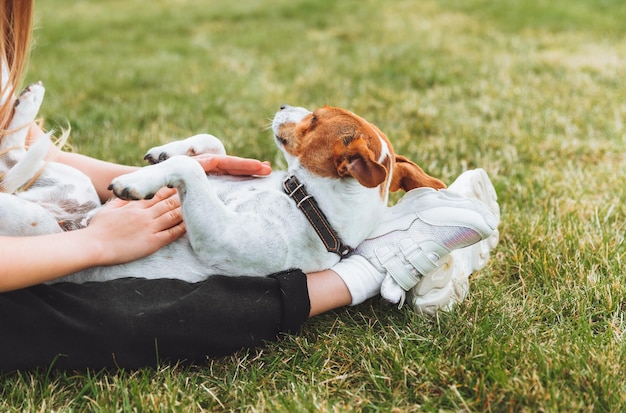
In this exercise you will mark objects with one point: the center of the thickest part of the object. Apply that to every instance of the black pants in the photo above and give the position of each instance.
(132, 323)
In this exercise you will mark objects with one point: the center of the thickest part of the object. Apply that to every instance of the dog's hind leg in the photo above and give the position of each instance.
(18, 166)
(26, 108)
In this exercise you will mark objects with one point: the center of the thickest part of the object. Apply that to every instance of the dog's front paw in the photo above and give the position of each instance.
(141, 184)
(27, 105)
(194, 145)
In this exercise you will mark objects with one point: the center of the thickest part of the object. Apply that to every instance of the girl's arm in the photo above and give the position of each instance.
(100, 172)
(121, 232)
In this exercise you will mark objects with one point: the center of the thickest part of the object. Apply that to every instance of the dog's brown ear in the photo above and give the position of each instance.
(354, 158)
(407, 175)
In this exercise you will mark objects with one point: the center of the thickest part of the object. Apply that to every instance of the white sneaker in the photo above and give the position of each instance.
(418, 234)
(449, 284)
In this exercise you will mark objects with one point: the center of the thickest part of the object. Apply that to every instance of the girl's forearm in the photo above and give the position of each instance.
(32, 260)
(100, 172)
(327, 291)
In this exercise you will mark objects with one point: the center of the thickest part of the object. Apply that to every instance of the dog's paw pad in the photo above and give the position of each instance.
(126, 193)
(154, 158)
(141, 184)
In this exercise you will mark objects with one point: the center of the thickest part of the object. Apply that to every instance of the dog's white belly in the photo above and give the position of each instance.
(278, 235)
(264, 231)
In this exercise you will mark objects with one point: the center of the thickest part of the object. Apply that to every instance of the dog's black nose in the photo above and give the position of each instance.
(283, 107)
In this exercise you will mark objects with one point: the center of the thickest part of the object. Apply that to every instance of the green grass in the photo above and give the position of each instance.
(532, 91)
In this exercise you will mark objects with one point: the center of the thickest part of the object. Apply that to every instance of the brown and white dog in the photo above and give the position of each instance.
(341, 169)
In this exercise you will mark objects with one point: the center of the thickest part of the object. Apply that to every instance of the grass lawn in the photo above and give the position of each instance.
(531, 91)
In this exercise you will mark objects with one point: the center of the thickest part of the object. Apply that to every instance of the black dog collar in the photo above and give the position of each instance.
(316, 217)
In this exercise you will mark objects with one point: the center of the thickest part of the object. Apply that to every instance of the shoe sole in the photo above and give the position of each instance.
(476, 184)
(464, 261)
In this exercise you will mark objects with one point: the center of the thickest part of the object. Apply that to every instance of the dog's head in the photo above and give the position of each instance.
(335, 143)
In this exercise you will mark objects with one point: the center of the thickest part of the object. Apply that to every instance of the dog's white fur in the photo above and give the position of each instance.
(235, 225)
(65, 193)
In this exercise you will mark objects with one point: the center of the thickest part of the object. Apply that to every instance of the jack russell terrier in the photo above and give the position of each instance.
(341, 169)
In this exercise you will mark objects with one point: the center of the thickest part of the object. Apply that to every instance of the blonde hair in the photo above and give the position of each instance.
(15, 28)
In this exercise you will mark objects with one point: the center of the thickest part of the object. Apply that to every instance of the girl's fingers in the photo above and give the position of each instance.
(233, 165)
(162, 194)
(165, 205)
(165, 199)
(168, 219)
(163, 211)
(175, 232)
(115, 203)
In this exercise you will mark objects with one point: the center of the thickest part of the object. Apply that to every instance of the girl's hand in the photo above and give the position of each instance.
(131, 230)
(232, 165)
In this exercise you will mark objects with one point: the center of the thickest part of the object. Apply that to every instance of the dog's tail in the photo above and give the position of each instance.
(25, 172)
